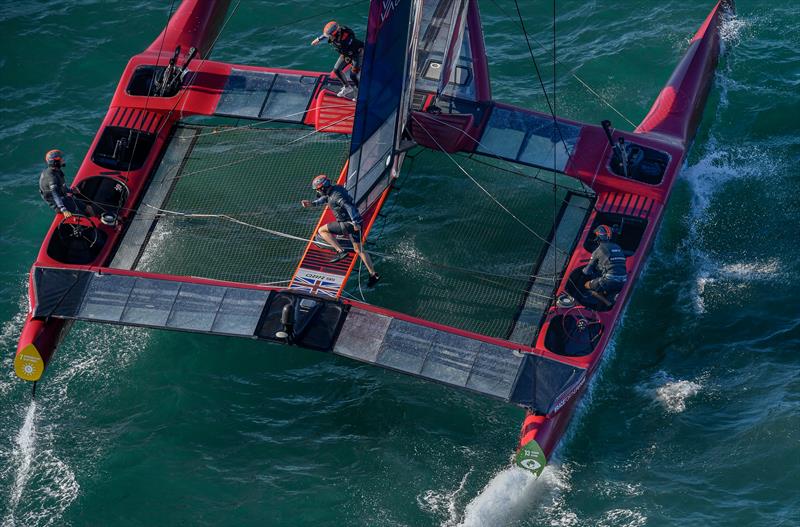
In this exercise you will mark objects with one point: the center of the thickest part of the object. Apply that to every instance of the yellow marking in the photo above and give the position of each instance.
(28, 364)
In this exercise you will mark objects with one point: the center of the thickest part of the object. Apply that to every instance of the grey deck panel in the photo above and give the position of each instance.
(569, 227)
(429, 353)
(157, 303)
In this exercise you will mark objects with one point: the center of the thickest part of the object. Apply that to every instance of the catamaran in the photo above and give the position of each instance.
(173, 164)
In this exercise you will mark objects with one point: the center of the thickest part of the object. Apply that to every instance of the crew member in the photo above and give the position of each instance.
(607, 266)
(351, 51)
(54, 189)
(348, 221)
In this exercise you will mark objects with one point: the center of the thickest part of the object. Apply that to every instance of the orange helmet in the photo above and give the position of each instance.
(603, 233)
(54, 158)
(320, 182)
(331, 29)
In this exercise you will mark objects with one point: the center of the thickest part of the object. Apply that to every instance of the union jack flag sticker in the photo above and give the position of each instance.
(316, 283)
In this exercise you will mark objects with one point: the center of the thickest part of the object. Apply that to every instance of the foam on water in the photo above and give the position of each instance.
(22, 457)
(444, 503)
(34, 463)
(511, 493)
(671, 393)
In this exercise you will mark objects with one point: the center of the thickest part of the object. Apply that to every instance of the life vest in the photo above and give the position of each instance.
(346, 43)
(611, 262)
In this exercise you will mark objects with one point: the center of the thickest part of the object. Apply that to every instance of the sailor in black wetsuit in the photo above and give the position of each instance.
(351, 51)
(54, 190)
(606, 267)
(348, 221)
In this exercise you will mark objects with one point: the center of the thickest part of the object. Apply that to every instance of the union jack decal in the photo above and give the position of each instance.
(316, 283)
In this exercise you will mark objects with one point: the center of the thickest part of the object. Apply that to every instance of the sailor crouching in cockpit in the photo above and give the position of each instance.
(606, 268)
(54, 190)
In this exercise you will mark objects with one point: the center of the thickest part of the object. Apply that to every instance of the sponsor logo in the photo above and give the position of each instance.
(387, 8)
(531, 458)
(561, 401)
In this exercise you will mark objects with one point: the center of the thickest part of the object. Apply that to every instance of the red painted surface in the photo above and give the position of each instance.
(332, 114)
(447, 132)
(669, 127)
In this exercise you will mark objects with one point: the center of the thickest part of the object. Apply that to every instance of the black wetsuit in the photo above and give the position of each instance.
(607, 267)
(350, 51)
(54, 190)
(345, 211)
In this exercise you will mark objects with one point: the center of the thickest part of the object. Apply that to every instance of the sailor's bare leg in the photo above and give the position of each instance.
(329, 238)
(364, 257)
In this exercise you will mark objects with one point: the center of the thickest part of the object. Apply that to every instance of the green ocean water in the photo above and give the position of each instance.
(693, 420)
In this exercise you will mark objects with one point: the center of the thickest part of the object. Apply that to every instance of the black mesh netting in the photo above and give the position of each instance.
(256, 176)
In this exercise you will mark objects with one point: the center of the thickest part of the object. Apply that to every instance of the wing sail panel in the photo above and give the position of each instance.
(385, 88)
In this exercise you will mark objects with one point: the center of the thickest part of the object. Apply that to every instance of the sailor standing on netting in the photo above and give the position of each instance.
(348, 221)
(607, 266)
(351, 51)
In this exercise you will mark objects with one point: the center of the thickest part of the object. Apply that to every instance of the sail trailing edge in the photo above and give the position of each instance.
(384, 98)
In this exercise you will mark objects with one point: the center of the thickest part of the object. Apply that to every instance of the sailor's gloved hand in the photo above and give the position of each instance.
(316, 41)
(66, 213)
(305, 203)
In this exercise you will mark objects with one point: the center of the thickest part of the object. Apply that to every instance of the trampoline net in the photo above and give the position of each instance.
(445, 250)
(453, 255)
(228, 185)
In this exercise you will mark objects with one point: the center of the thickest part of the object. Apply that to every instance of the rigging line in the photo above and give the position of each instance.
(196, 72)
(572, 73)
(541, 83)
(465, 270)
(253, 126)
(509, 163)
(253, 156)
(525, 225)
(152, 81)
(233, 220)
(555, 157)
(389, 256)
(480, 161)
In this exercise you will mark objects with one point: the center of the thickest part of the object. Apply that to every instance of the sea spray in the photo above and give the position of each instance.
(25, 445)
(511, 493)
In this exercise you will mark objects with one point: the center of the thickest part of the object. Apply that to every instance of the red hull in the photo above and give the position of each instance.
(669, 127)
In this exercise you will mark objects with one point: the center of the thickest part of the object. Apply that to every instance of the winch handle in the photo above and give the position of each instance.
(606, 124)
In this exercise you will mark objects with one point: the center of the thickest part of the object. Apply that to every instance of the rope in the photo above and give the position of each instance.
(253, 156)
(489, 194)
(509, 163)
(152, 82)
(572, 74)
(541, 83)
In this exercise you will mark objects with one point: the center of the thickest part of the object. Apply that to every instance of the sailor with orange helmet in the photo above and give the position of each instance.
(348, 221)
(54, 190)
(351, 51)
(607, 265)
